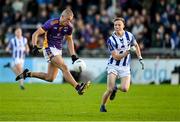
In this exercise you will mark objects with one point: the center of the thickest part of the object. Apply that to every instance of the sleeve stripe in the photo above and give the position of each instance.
(15, 43)
(109, 42)
(115, 41)
(110, 45)
(127, 35)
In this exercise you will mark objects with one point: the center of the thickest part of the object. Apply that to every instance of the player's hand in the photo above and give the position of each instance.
(74, 58)
(142, 63)
(132, 49)
(35, 50)
(126, 53)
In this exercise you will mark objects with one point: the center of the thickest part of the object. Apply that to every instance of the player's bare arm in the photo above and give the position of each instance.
(35, 35)
(117, 56)
(71, 47)
(138, 51)
(70, 44)
(7, 49)
(27, 49)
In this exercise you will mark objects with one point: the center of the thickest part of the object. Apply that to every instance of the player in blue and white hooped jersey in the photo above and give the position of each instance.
(56, 30)
(18, 47)
(120, 44)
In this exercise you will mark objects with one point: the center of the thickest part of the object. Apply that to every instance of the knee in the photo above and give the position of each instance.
(110, 90)
(124, 89)
(49, 79)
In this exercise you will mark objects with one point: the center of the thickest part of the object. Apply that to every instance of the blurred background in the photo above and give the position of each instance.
(154, 23)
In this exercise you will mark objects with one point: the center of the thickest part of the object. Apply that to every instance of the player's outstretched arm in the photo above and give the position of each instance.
(71, 47)
(7, 49)
(39, 31)
(70, 44)
(35, 35)
(27, 49)
(138, 53)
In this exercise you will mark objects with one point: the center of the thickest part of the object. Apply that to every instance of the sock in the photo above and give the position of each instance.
(28, 74)
(77, 87)
(22, 87)
(103, 106)
(21, 82)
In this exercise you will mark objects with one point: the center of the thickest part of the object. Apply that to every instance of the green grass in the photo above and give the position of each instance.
(61, 102)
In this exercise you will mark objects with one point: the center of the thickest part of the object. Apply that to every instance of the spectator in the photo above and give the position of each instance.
(174, 37)
(167, 41)
(18, 5)
(43, 16)
(9, 35)
(55, 13)
(98, 14)
(137, 29)
(32, 6)
(2, 43)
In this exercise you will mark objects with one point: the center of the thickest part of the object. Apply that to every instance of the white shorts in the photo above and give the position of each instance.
(50, 52)
(17, 61)
(120, 71)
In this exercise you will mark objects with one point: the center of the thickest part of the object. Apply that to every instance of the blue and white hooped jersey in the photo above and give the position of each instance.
(120, 44)
(18, 47)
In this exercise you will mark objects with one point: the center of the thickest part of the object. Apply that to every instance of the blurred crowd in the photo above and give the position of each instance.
(154, 23)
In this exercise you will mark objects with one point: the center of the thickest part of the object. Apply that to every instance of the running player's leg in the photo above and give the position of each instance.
(125, 83)
(124, 74)
(49, 76)
(59, 62)
(124, 86)
(17, 69)
(110, 86)
(8, 65)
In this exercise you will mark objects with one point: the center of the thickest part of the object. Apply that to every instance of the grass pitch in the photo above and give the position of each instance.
(52, 102)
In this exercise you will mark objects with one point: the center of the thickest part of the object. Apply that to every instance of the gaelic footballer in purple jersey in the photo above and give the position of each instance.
(55, 33)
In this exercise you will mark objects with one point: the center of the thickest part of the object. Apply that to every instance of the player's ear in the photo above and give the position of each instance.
(123, 25)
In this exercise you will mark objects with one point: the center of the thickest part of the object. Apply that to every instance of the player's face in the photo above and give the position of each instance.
(18, 32)
(118, 25)
(65, 20)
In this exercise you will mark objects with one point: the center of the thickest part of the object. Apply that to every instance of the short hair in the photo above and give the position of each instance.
(119, 18)
(17, 27)
(67, 12)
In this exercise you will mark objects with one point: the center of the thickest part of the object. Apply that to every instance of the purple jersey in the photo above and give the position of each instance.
(55, 33)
